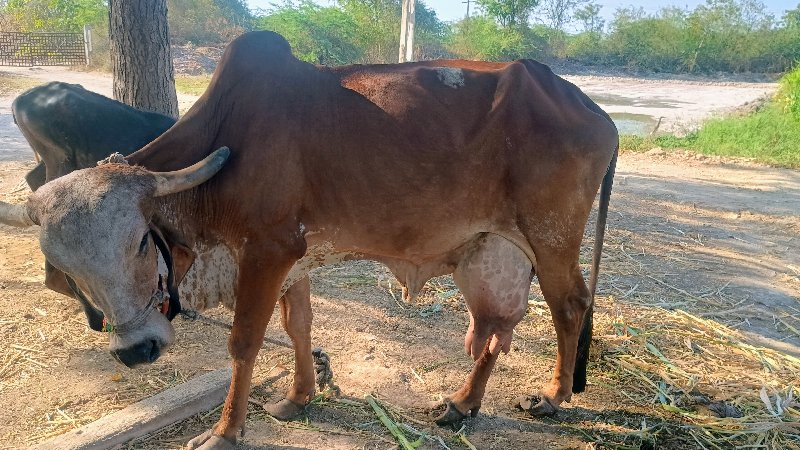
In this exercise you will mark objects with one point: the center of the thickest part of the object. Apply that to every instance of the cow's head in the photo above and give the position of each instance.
(96, 228)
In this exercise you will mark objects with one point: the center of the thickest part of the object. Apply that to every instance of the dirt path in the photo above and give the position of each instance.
(702, 264)
(99, 82)
(637, 104)
(740, 225)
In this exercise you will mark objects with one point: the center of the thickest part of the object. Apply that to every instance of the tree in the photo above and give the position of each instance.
(317, 34)
(558, 13)
(144, 76)
(54, 15)
(354, 31)
(791, 18)
(589, 17)
(207, 21)
(379, 29)
(509, 13)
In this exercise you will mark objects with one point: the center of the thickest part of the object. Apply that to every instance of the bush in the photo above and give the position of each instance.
(789, 94)
(588, 48)
(207, 21)
(320, 35)
(769, 135)
(53, 15)
(483, 39)
(722, 35)
(357, 31)
(379, 30)
(718, 36)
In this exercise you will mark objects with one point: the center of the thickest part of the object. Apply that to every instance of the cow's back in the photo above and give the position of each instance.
(454, 101)
(72, 128)
(263, 100)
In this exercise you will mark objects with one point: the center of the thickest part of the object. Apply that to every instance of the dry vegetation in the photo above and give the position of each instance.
(695, 341)
(13, 84)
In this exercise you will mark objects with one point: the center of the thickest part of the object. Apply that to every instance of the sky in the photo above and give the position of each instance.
(450, 10)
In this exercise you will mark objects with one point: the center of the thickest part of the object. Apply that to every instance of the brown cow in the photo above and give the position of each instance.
(486, 171)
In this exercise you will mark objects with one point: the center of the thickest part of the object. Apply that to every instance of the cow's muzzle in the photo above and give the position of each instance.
(145, 352)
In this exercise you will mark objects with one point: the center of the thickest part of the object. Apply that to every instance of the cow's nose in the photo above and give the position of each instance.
(144, 352)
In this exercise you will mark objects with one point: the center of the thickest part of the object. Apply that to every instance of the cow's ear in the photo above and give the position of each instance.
(182, 259)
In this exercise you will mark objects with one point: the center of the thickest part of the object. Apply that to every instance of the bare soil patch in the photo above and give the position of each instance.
(682, 105)
(699, 292)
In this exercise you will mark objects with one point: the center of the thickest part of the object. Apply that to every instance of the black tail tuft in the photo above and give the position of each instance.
(585, 339)
(582, 358)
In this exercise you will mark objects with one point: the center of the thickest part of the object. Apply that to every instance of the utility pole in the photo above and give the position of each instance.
(467, 2)
(407, 31)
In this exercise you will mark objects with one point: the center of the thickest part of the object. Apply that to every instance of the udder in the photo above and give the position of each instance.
(494, 277)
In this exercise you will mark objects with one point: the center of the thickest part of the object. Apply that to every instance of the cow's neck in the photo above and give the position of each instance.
(211, 279)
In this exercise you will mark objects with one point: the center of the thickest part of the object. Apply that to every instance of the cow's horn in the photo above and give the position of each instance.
(15, 215)
(180, 180)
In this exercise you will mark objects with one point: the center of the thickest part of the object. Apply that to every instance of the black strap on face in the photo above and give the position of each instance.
(172, 288)
(95, 316)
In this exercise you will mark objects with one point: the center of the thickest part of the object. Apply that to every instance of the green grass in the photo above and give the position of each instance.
(192, 84)
(770, 136)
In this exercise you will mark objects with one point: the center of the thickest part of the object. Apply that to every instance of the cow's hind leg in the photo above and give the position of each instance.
(494, 277)
(568, 298)
(296, 318)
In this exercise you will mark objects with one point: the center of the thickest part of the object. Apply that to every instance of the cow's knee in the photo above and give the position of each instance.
(243, 346)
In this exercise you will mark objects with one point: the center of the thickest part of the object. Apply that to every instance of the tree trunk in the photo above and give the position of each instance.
(144, 76)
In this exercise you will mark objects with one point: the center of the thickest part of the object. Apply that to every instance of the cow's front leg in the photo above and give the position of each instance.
(258, 291)
(296, 318)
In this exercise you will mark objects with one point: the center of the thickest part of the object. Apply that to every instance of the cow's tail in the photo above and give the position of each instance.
(585, 339)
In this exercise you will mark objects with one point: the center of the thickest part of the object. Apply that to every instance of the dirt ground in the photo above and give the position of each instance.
(699, 292)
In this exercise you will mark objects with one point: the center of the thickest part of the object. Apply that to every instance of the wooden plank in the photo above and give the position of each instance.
(173, 405)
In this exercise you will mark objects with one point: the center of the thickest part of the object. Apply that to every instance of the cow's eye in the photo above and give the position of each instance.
(143, 246)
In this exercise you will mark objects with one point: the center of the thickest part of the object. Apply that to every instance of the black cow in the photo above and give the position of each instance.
(71, 128)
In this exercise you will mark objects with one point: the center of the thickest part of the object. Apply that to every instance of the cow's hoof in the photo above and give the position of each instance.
(535, 405)
(451, 415)
(210, 441)
(284, 409)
